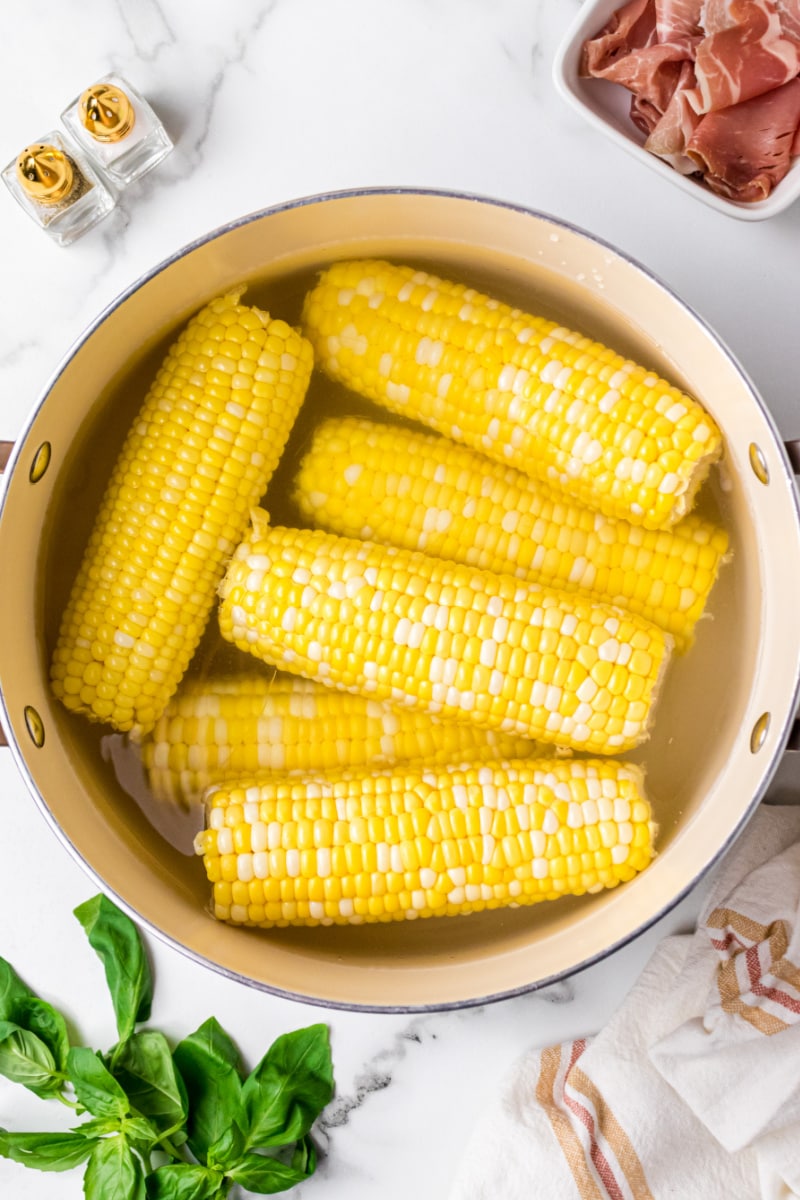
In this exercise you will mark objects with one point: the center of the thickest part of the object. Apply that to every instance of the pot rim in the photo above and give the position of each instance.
(786, 723)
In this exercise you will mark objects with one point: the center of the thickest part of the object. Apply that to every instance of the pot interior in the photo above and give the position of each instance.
(703, 776)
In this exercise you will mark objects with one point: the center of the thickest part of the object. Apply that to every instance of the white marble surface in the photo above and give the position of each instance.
(269, 100)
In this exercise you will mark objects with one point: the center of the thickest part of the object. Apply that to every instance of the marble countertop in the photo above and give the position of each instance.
(269, 100)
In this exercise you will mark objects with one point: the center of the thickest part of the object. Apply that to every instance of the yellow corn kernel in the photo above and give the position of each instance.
(519, 388)
(337, 610)
(579, 849)
(235, 726)
(403, 487)
(198, 457)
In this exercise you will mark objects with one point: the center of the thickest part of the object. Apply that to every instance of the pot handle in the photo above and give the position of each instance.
(5, 454)
(793, 451)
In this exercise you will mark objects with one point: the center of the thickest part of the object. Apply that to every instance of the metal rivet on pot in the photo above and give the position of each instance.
(41, 461)
(759, 463)
(759, 734)
(34, 725)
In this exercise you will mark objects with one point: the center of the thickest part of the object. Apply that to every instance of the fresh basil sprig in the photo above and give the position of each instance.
(116, 940)
(46, 1151)
(211, 1070)
(161, 1124)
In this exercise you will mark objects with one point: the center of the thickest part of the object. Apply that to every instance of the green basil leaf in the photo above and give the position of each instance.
(96, 1088)
(265, 1175)
(98, 1126)
(141, 1135)
(143, 1066)
(212, 1043)
(20, 1006)
(113, 1172)
(209, 1064)
(46, 1151)
(183, 1181)
(304, 1157)
(39, 1017)
(116, 940)
(139, 1128)
(12, 991)
(227, 1149)
(286, 1092)
(25, 1059)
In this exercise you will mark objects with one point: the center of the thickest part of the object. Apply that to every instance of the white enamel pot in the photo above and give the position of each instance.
(727, 707)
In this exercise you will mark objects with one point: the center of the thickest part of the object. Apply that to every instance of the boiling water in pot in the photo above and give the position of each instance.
(679, 751)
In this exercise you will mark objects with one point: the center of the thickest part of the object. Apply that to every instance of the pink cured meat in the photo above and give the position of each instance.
(789, 13)
(672, 133)
(745, 59)
(628, 53)
(715, 85)
(678, 22)
(745, 150)
(651, 73)
(644, 115)
(716, 15)
(631, 28)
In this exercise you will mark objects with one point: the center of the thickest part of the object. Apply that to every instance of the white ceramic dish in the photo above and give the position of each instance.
(606, 105)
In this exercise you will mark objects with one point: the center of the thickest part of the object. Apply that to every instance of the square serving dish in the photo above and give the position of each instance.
(606, 107)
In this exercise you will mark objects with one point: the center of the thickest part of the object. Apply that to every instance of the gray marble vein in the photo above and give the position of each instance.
(147, 27)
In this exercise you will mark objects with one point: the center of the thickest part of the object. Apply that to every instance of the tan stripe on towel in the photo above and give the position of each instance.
(615, 1135)
(763, 1021)
(566, 1137)
(786, 970)
(730, 991)
(720, 918)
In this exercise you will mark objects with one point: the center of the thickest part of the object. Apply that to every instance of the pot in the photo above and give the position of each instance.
(726, 709)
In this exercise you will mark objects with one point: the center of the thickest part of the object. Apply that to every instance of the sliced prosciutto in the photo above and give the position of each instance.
(716, 15)
(651, 73)
(789, 12)
(629, 53)
(678, 22)
(745, 150)
(670, 136)
(644, 115)
(747, 58)
(714, 85)
(631, 28)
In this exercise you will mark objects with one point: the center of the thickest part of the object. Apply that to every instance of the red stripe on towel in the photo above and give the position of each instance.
(599, 1160)
(776, 995)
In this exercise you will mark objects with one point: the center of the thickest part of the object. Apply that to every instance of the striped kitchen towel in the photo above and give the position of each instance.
(692, 1090)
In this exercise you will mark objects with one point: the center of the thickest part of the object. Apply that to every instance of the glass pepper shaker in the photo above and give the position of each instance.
(117, 128)
(58, 188)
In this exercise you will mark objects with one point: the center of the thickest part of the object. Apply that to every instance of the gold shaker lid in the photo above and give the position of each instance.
(106, 112)
(45, 173)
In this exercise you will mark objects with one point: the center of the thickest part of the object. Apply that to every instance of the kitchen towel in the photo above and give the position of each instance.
(692, 1090)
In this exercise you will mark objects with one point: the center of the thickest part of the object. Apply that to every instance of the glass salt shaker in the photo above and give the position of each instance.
(118, 129)
(58, 188)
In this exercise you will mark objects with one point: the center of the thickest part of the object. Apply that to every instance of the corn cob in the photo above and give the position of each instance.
(521, 389)
(401, 487)
(392, 845)
(219, 730)
(415, 630)
(197, 458)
